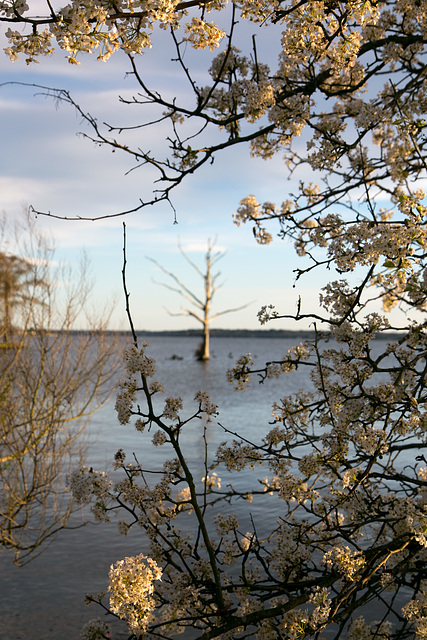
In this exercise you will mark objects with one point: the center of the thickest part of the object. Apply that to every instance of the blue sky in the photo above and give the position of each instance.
(45, 163)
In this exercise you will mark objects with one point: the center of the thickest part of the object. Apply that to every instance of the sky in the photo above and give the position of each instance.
(46, 164)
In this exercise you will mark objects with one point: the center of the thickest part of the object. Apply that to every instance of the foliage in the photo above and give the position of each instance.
(200, 308)
(51, 380)
(16, 285)
(344, 460)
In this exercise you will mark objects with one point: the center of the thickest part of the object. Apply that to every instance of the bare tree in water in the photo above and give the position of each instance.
(201, 304)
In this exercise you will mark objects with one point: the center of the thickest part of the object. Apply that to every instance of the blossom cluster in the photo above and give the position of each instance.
(415, 611)
(32, 45)
(171, 408)
(238, 81)
(266, 313)
(131, 590)
(137, 363)
(206, 405)
(87, 486)
(238, 456)
(203, 34)
(347, 562)
(85, 482)
(84, 27)
(240, 375)
(212, 481)
(362, 630)
(95, 629)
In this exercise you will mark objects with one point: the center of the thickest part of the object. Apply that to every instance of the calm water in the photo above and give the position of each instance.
(45, 599)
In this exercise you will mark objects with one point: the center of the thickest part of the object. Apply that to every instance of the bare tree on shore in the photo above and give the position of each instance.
(52, 378)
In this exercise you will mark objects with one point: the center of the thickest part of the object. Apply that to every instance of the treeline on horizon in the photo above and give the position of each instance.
(241, 333)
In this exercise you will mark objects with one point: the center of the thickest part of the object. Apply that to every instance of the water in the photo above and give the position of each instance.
(44, 600)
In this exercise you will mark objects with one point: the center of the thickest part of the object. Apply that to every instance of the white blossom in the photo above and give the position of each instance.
(131, 590)
(206, 405)
(212, 481)
(95, 629)
(171, 408)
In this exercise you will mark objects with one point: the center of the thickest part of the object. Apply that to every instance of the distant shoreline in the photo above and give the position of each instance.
(255, 333)
(230, 333)
(237, 333)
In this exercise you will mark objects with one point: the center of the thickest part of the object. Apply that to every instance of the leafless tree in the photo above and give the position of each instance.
(202, 304)
(52, 378)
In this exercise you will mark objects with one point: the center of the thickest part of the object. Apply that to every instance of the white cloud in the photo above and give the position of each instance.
(14, 189)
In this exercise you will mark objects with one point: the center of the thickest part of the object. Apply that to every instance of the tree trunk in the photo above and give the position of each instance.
(204, 354)
(7, 329)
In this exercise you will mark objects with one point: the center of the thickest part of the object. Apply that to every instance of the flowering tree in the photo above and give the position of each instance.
(51, 380)
(201, 308)
(344, 459)
(350, 535)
